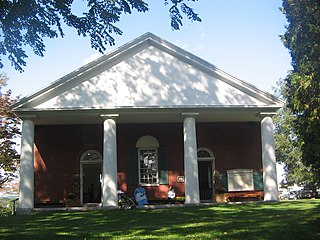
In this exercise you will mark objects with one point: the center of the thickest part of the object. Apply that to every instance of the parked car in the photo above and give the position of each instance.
(307, 193)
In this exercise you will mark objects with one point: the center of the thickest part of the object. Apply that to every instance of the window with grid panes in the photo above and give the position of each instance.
(148, 165)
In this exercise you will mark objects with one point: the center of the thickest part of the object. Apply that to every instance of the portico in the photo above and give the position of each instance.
(147, 89)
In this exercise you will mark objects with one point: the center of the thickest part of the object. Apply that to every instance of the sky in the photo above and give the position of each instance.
(240, 37)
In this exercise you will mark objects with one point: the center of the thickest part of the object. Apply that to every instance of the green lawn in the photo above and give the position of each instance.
(283, 220)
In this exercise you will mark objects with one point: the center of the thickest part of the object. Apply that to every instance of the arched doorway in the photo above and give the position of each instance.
(206, 167)
(90, 172)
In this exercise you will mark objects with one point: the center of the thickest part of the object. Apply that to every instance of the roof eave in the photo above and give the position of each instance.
(118, 54)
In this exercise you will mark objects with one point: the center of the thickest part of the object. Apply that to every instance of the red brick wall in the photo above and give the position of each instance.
(58, 150)
(57, 158)
(234, 145)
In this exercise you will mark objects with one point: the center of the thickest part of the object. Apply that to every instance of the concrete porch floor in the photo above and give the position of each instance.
(93, 207)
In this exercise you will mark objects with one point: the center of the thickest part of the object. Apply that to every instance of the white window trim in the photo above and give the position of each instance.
(211, 158)
(84, 154)
(157, 166)
(82, 162)
(208, 159)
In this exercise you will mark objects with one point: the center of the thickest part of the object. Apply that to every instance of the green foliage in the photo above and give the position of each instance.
(6, 207)
(28, 22)
(302, 89)
(288, 147)
(288, 150)
(175, 15)
(9, 130)
(284, 220)
(4, 210)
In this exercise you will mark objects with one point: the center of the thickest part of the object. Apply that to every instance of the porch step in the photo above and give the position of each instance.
(92, 205)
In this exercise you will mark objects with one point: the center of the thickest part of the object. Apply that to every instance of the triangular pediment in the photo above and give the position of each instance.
(147, 72)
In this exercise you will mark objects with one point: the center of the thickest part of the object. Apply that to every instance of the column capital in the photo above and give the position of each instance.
(266, 114)
(189, 114)
(30, 117)
(109, 116)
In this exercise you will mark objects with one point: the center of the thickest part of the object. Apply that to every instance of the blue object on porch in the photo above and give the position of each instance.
(140, 196)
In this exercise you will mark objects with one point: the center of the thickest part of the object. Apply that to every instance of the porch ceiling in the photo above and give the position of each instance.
(145, 115)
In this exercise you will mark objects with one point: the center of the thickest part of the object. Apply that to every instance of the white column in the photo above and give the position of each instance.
(109, 183)
(269, 160)
(26, 187)
(190, 160)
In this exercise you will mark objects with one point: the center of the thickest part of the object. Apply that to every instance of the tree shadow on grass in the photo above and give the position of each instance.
(284, 220)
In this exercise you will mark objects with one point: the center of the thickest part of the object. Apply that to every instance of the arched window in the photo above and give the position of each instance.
(91, 156)
(205, 154)
(148, 160)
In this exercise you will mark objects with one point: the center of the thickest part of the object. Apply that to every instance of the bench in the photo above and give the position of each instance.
(248, 195)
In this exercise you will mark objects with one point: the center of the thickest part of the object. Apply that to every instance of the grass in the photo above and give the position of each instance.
(282, 220)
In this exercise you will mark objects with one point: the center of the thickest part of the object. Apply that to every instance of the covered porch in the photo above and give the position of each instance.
(190, 129)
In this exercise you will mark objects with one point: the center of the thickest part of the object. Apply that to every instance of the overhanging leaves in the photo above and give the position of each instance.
(27, 22)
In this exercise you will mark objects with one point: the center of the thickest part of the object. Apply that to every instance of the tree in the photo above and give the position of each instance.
(302, 89)
(9, 130)
(28, 22)
(288, 147)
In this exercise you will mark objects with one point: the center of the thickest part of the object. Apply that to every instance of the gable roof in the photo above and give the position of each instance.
(148, 72)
